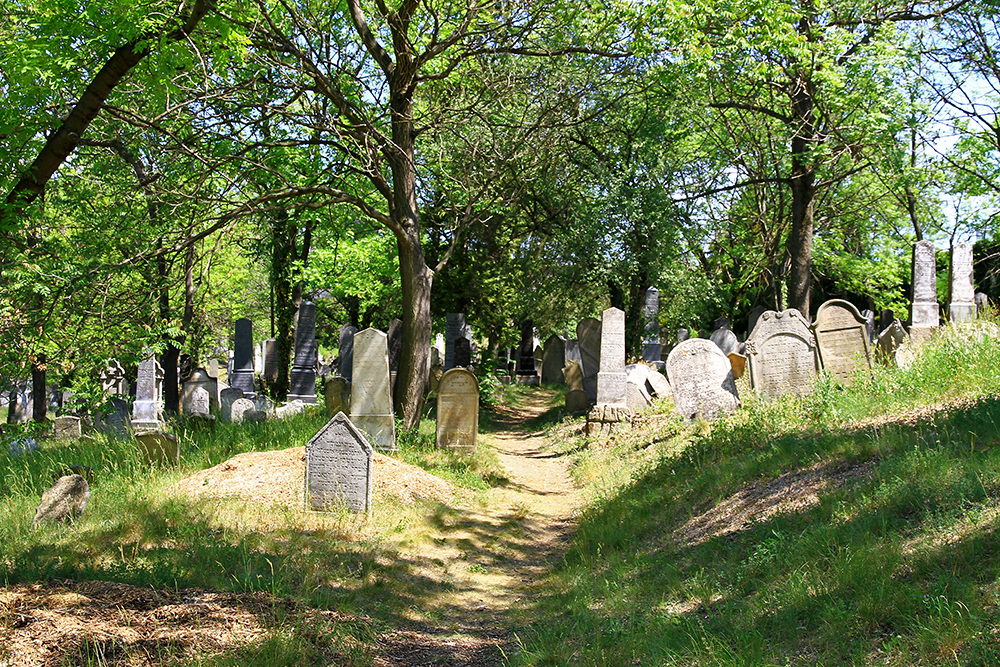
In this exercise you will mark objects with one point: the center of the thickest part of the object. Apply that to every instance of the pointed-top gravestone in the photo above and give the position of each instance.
(458, 410)
(588, 333)
(962, 292)
(652, 349)
(842, 339)
(144, 414)
(701, 380)
(611, 379)
(782, 354)
(339, 468)
(302, 379)
(346, 351)
(242, 375)
(924, 311)
(371, 400)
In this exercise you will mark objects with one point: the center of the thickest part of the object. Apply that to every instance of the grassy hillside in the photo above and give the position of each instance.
(853, 526)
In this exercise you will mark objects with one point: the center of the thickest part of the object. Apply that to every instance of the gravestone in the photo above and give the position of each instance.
(842, 339)
(240, 409)
(63, 501)
(455, 328)
(588, 333)
(577, 402)
(636, 395)
(539, 357)
(346, 351)
(302, 379)
(526, 372)
(683, 335)
(726, 340)
(982, 303)
(701, 380)
(782, 354)
(573, 375)
(436, 373)
(753, 318)
(198, 402)
(572, 349)
(289, 409)
(270, 361)
(227, 397)
(158, 377)
(738, 362)
(869, 317)
(200, 379)
(439, 346)
(611, 379)
(337, 396)
(113, 379)
(144, 413)
(722, 323)
(924, 311)
(67, 428)
(242, 375)
(961, 292)
(885, 318)
(371, 400)
(115, 421)
(553, 360)
(458, 410)
(463, 353)
(263, 404)
(157, 447)
(659, 385)
(213, 368)
(395, 342)
(889, 341)
(258, 358)
(339, 467)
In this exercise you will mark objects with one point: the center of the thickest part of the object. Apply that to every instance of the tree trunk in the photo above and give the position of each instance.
(39, 395)
(803, 184)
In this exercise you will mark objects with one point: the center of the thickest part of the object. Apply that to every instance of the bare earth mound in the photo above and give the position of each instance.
(277, 478)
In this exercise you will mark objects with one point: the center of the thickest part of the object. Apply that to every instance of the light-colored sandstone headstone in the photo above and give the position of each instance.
(660, 385)
(371, 400)
(636, 395)
(782, 355)
(553, 360)
(588, 333)
(227, 397)
(577, 402)
(338, 395)
(573, 375)
(199, 402)
(701, 380)
(67, 428)
(962, 292)
(200, 379)
(738, 363)
(239, 410)
(339, 467)
(924, 311)
(63, 501)
(611, 379)
(157, 447)
(289, 409)
(889, 341)
(458, 410)
(842, 339)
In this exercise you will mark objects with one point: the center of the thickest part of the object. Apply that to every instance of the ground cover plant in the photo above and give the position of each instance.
(853, 526)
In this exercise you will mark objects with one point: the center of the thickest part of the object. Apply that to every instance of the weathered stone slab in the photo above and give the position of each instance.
(782, 355)
(241, 376)
(67, 428)
(604, 421)
(842, 339)
(346, 351)
(435, 377)
(652, 349)
(202, 404)
(869, 316)
(889, 341)
(157, 447)
(924, 311)
(573, 375)
(701, 380)
(553, 360)
(289, 409)
(611, 379)
(337, 396)
(302, 378)
(455, 328)
(115, 421)
(371, 400)
(659, 384)
(270, 360)
(113, 379)
(63, 501)
(683, 335)
(577, 402)
(962, 291)
(458, 410)
(339, 467)
(588, 333)
(227, 397)
(239, 410)
(726, 340)
(636, 395)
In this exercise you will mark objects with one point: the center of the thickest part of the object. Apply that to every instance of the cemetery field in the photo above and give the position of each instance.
(852, 526)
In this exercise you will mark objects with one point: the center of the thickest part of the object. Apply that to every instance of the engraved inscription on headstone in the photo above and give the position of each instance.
(611, 379)
(962, 293)
(144, 414)
(339, 467)
(458, 410)
(371, 400)
(842, 339)
(782, 354)
(652, 349)
(200, 379)
(924, 311)
(701, 380)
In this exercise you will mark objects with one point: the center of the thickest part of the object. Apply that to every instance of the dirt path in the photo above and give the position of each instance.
(488, 558)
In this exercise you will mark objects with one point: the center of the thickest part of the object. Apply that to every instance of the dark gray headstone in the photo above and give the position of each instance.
(115, 422)
(726, 340)
(572, 349)
(982, 303)
(463, 353)
(526, 361)
(346, 351)
(553, 360)
(588, 333)
(242, 375)
(652, 349)
(339, 467)
(227, 397)
(456, 328)
(885, 319)
(683, 335)
(302, 379)
(270, 360)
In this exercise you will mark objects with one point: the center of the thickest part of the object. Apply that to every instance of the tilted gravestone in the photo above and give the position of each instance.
(636, 395)
(577, 402)
(346, 351)
(63, 501)
(889, 341)
(337, 396)
(67, 427)
(200, 379)
(588, 333)
(659, 384)
(539, 356)
(611, 379)
(455, 328)
(961, 291)
(371, 401)
(144, 412)
(242, 375)
(842, 339)
(339, 467)
(227, 397)
(395, 342)
(302, 378)
(701, 380)
(458, 410)
(924, 311)
(726, 340)
(782, 354)
(652, 349)
(553, 360)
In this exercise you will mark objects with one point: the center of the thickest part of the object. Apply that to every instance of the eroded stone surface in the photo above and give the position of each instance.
(782, 354)
(701, 380)
(458, 410)
(842, 339)
(339, 467)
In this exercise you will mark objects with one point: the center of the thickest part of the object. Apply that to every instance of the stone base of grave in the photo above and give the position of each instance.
(603, 421)
(145, 425)
(962, 312)
(309, 399)
(532, 380)
(920, 335)
(157, 447)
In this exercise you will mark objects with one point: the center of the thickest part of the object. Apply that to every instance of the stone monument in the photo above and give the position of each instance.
(345, 347)
(144, 413)
(458, 410)
(200, 379)
(338, 396)
(652, 349)
(455, 328)
(302, 378)
(270, 360)
(339, 467)
(588, 333)
(924, 311)
(701, 380)
(553, 360)
(961, 291)
(782, 354)
(371, 400)
(242, 376)
(526, 373)
(842, 339)
(611, 378)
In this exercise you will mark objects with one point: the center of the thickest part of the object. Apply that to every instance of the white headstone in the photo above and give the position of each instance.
(702, 380)
(611, 379)
(458, 410)
(924, 311)
(962, 293)
(371, 399)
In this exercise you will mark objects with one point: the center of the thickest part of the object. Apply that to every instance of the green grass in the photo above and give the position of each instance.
(893, 558)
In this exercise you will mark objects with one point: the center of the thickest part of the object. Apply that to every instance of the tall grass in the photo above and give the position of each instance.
(884, 549)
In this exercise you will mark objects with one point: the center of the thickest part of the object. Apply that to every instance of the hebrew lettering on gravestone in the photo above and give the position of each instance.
(962, 292)
(302, 378)
(241, 376)
(842, 339)
(782, 355)
(458, 410)
(553, 360)
(339, 468)
(611, 379)
(371, 400)
(701, 380)
(144, 412)
(924, 311)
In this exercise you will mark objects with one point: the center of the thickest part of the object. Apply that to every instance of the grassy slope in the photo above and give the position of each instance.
(897, 561)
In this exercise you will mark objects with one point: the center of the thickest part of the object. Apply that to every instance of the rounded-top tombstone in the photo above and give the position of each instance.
(782, 354)
(458, 410)
(701, 379)
(842, 339)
